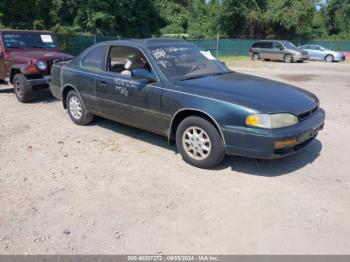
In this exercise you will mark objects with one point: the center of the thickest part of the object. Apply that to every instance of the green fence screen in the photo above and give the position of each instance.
(75, 44)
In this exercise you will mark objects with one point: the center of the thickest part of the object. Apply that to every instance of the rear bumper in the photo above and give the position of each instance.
(260, 143)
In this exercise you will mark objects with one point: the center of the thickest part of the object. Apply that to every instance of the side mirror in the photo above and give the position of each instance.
(143, 74)
(222, 62)
(281, 48)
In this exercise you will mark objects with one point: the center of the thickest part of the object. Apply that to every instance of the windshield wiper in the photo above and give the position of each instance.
(203, 75)
(222, 73)
(191, 77)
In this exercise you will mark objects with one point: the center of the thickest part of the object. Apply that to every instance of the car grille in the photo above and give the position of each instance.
(307, 114)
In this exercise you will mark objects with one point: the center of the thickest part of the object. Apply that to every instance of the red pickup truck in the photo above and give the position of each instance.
(26, 58)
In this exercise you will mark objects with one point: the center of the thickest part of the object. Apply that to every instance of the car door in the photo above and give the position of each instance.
(85, 79)
(267, 51)
(278, 51)
(135, 102)
(311, 51)
(319, 53)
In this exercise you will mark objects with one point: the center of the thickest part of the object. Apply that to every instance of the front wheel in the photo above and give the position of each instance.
(77, 110)
(199, 142)
(23, 89)
(288, 58)
(329, 58)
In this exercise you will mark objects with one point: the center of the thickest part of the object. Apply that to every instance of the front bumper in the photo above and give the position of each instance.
(339, 58)
(39, 82)
(260, 143)
(301, 57)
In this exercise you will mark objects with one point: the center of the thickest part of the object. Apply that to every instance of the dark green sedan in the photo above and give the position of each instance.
(172, 88)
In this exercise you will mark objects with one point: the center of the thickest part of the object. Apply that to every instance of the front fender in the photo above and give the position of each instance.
(16, 68)
(220, 112)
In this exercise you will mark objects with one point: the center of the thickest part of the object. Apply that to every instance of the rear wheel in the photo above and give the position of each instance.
(288, 58)
(23, 89)
(256, 57)
(199, 142)
(329, 58)
(77, 110)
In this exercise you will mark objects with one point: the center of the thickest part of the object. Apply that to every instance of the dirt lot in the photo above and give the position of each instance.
(111, 189)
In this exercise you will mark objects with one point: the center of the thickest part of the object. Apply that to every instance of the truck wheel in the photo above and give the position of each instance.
(23, 89)
(77, 110)
(199, 142)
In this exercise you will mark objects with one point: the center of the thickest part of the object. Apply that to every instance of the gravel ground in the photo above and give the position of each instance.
(111, 189)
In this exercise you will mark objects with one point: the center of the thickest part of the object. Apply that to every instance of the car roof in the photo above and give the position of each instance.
(148, 42)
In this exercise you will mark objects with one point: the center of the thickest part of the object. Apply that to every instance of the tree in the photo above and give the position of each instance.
(337, 18)
(242, 18)
(289, 18)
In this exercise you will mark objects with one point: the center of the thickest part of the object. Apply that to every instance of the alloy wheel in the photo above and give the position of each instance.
(288, 59)
(196, 143)
(75, 107)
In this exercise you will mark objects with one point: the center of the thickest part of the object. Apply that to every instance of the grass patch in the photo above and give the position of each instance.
(234, 58)
(232, 61)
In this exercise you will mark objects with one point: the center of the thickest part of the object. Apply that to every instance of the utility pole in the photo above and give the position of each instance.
(217, 45)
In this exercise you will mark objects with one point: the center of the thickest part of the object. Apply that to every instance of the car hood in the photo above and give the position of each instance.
(38, 55)
(255, 93)
(299, 50)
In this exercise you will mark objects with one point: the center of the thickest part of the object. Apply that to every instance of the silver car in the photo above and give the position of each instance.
(277, 50)
(321, 53)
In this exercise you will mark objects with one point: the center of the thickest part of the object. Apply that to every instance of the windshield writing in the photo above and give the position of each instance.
(28, 40)
(188, 61)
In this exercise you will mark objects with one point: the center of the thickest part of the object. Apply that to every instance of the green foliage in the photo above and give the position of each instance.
(292, 19)
(337, 18)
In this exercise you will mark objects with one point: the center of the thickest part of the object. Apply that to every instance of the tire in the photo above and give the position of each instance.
(288, 58)
(329, 58)
(76, 109)
(23, 89)
(195, 134)
(256, 57)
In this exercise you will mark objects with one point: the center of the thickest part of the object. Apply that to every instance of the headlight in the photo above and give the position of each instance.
(41, 65)
(271, 120)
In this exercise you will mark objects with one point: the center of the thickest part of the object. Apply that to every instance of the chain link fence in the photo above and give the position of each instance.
(240, 47)
(75, 44)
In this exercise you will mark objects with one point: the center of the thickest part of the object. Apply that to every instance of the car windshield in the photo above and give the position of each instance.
(28, 40)
(289, 45)
(183, 62)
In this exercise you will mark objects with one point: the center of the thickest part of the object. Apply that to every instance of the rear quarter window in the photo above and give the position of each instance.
(267, 45)
(95, 59)
(256, 45)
